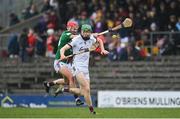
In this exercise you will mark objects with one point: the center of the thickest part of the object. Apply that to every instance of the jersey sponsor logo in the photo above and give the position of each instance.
(80, 43)
(83, 49)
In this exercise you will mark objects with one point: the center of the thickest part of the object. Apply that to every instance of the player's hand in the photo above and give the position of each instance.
(95, 34)
(110, 30)
(63, 57)
(104, 52)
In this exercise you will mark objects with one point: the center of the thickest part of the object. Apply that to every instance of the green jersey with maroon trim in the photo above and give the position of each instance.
(63, 40)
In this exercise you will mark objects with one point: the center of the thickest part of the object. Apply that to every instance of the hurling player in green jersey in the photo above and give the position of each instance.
(64, 66)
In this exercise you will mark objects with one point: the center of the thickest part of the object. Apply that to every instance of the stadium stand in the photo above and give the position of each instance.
(143, 59)
(158, 75)
(27, 78)
(150, 17)
(16, 7)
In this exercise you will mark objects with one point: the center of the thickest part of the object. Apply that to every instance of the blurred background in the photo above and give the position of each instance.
(144, 57)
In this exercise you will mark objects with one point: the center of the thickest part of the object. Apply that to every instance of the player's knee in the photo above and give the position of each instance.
(87, 89)
(70, 90)
(71, 85)
(70, 78)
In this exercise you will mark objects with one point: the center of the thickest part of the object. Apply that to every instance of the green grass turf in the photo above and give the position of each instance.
(84, 113)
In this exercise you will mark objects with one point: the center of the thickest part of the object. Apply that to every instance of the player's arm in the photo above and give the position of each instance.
(73, 36)
(63, 49)
(103, 51)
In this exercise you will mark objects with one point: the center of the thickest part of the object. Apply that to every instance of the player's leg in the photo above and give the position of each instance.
(66, 72)
(76, 96)
(62, 68)
(60, 82)
(57, 67)
(85, 90)
(48, 85)
(76, 90)
(66, 89)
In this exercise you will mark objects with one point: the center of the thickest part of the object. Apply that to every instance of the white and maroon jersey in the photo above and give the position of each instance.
(78, 44)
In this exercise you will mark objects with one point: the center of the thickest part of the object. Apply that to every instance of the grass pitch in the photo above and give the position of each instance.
(84, 113)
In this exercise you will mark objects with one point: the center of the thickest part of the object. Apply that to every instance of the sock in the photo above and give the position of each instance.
(76, 97)
(91, 109)
(66, 89)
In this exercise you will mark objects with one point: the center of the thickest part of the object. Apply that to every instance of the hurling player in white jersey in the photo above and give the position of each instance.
(81, 62)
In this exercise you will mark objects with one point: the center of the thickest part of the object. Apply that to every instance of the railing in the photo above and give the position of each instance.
(27, 78)
(15, 6)
(29, 23)
(170, 36)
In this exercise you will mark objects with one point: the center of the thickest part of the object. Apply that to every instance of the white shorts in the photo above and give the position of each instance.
(58, 64)
(79, 69)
